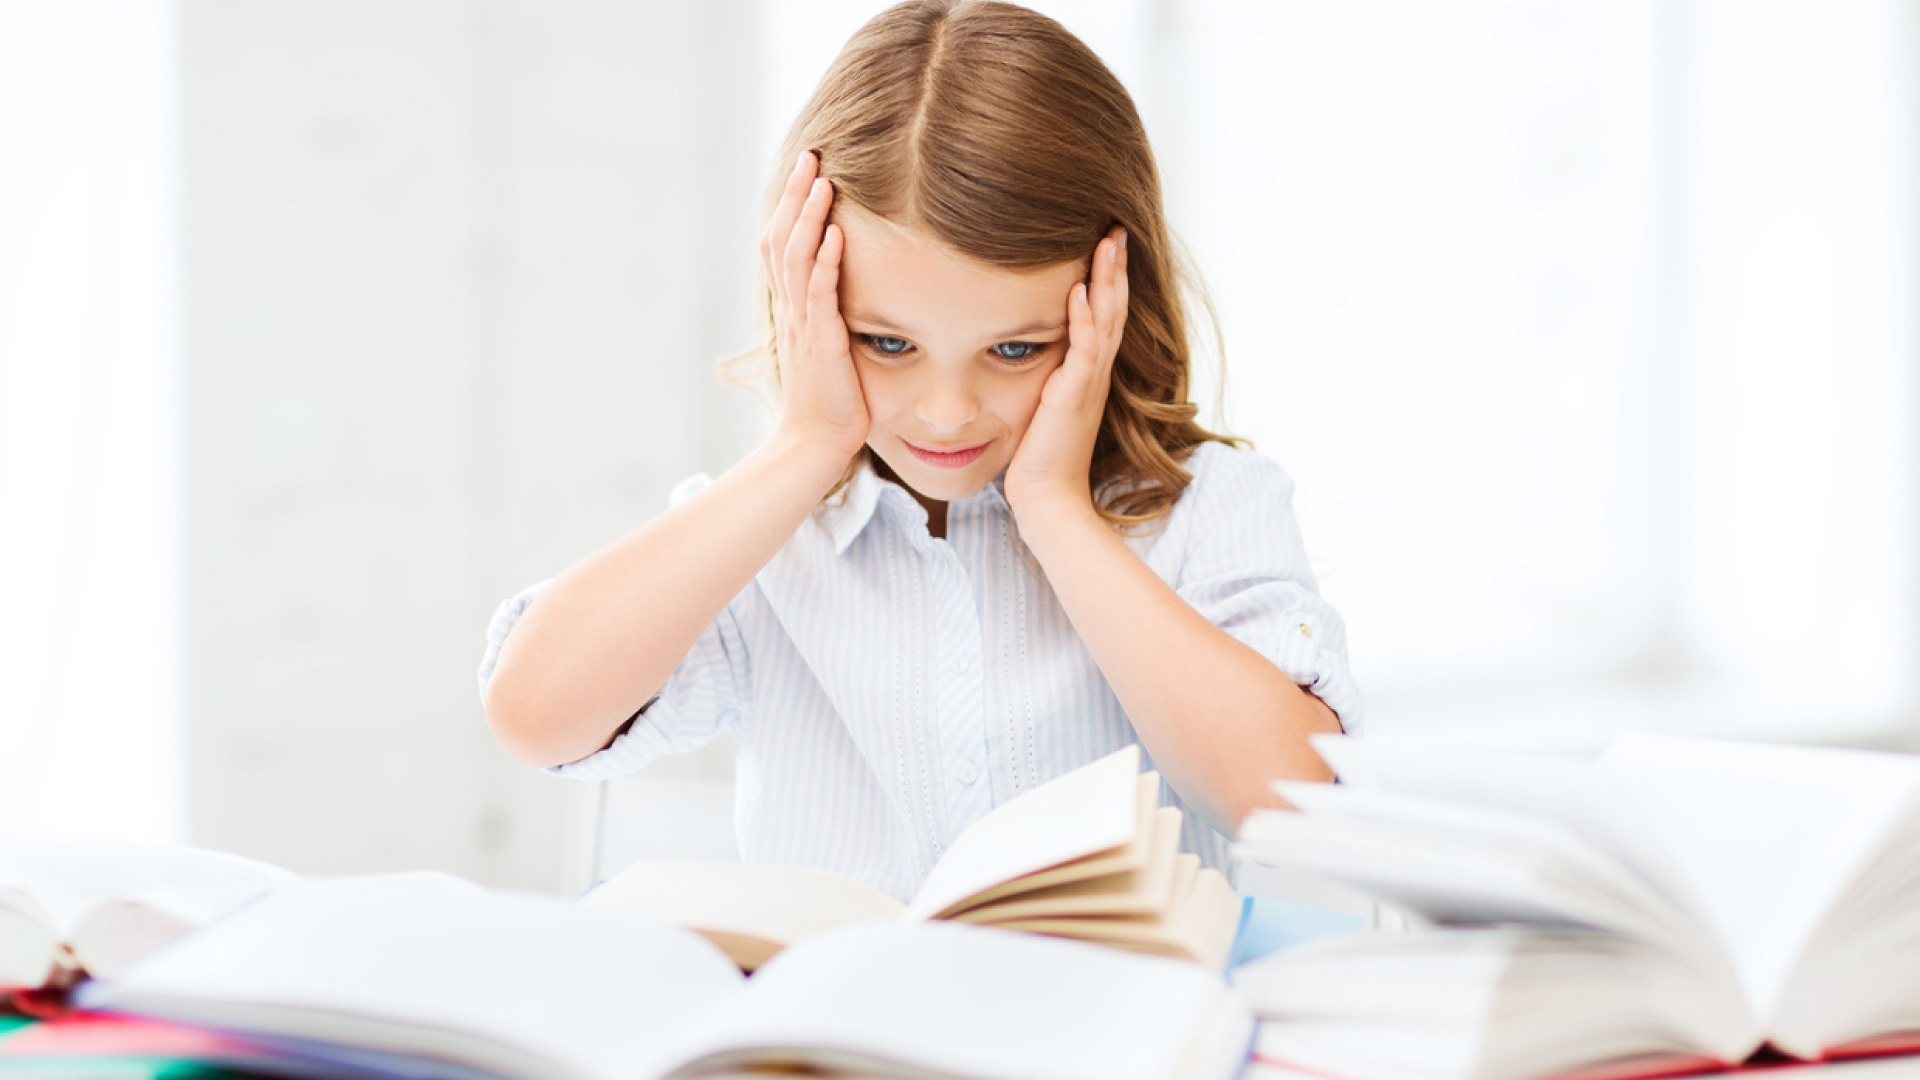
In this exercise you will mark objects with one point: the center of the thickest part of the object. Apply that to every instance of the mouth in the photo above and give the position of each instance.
(958, 457)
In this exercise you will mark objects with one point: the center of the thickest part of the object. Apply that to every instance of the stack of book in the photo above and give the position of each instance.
(79, 1046)
(74, 909)
(1673, 906)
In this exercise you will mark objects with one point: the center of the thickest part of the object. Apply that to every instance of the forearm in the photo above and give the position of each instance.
(1219, 719)
(604, 638)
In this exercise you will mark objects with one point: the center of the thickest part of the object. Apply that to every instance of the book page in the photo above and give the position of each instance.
(114, 902)
(68, 881)
(1566, 789)
(27, 946)
(1158, 930)
(515, 984)
(1754, 842)
(1496, 1002)
(1209, 918)
(1444, 879)
(1608, 894)
(1126, 858)
(921, 1000)
(1143, 890)
(1765, 838)
(1199, 925)
(772, 905)
(1091, 809)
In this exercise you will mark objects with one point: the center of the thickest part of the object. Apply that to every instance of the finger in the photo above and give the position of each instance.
(1083, 343)
(1100, 281)
(1100, 268)
(1120, 292)
(823, 286)
(803, 244)
(784, 215)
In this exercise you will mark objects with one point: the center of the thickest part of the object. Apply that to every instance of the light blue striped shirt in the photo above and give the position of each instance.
(887, 688)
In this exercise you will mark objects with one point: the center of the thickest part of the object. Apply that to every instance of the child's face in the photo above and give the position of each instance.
(952, 354)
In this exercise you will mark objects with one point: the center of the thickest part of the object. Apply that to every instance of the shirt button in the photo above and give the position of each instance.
(962, 666)
(969, 772)
(1305, 630)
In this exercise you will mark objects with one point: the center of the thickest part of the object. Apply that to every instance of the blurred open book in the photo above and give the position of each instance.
(73, 909)
(424, 975)
(1673, 904)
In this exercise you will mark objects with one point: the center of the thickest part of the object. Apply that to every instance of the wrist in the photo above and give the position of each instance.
(806, 437)
(1059, 520)
(813, 463)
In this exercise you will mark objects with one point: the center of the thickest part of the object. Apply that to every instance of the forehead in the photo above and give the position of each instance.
(912, 283)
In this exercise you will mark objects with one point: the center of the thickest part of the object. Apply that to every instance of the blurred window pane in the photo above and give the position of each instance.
(1587, 330)
(90, 650)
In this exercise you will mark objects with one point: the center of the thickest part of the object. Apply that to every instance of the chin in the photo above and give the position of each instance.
(943, 485)
(947, 488)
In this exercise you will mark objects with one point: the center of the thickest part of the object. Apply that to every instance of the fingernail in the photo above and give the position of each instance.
(1123, 239)
(801, 161)
(819, 185)
(1113, 252)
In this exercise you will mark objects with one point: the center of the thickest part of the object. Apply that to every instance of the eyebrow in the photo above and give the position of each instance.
(1016, 332)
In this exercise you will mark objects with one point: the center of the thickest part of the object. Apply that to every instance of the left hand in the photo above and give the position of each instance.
(1050, 468)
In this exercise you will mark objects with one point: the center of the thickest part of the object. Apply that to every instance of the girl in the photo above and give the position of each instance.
(987, 542)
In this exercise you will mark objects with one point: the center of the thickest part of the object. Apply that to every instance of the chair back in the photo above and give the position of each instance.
(677, 808)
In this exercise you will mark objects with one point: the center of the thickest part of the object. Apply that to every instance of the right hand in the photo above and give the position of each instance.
(823, 403)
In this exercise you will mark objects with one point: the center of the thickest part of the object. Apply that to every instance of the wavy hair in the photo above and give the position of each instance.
(995, 131)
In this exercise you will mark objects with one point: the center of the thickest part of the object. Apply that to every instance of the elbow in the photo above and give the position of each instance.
(542, 727)
(1265, 798)
(520, 725)
(1296, 760)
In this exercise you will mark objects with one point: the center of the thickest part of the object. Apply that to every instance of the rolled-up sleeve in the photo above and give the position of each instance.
(1244, 566)
(707, 691)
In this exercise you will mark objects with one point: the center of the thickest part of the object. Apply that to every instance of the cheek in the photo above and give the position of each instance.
(881, 388)
(1019, 398)
(890, 393)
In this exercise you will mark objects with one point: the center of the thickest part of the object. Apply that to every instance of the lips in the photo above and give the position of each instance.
(958, 457)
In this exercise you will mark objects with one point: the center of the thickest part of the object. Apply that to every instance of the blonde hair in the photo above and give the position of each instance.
(995, 131)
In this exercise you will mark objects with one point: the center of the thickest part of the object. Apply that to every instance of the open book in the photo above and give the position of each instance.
(424, 975)
(1088, 855)
(68, 909)
(1674, 902)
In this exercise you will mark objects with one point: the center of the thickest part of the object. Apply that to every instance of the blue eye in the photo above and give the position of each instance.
(887, 346)
(1016, 350)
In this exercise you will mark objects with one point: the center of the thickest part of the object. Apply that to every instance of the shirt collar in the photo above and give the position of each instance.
(848, 513)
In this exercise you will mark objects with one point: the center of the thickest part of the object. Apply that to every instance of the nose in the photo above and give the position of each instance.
(947, 402)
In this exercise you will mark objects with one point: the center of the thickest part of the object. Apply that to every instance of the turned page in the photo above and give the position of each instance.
(1753, 842)
(948, 999)
(1566, 789)
(113, 902)
(1091, 809)
(515, 984)
(1505, 1001)
(1763, 838)
(1460, 863)
(772, 905)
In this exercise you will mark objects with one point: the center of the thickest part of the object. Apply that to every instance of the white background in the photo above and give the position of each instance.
(1587, 329)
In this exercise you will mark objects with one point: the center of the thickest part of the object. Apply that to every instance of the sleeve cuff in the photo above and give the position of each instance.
(504, 619)
(1296, 647)
(632, 750)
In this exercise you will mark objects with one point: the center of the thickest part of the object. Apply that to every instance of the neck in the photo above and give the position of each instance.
(936, 509)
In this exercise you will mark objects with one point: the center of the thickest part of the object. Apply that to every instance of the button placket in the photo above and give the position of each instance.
(963, 736)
